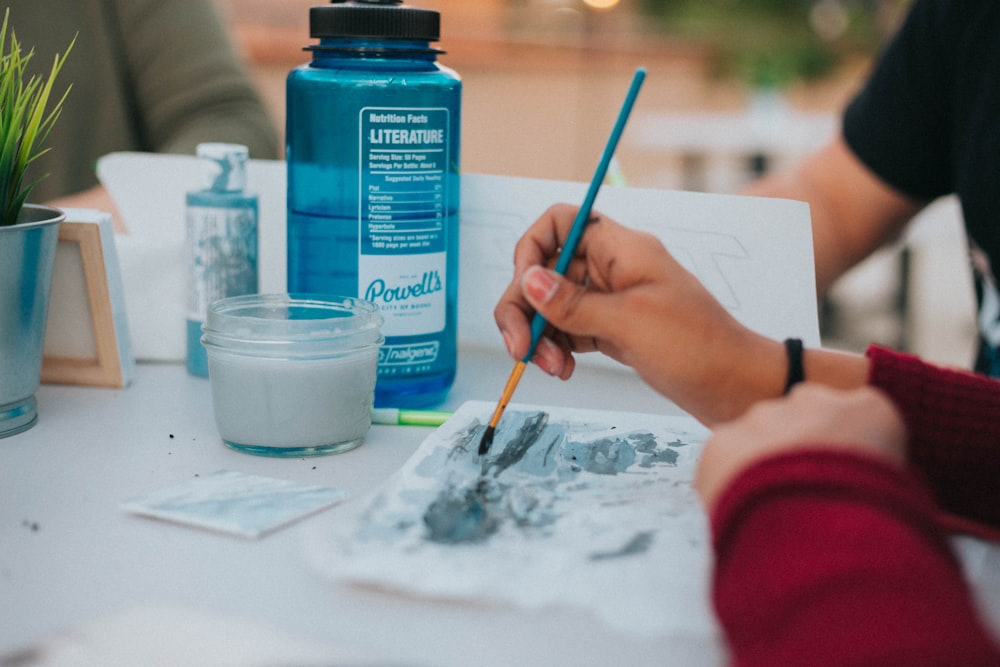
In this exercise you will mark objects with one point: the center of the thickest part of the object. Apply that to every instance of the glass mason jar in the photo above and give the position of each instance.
(292, 375)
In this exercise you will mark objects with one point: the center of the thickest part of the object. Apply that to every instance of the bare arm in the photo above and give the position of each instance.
(853, 211)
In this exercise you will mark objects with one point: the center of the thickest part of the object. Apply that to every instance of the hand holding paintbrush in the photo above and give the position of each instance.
(623, 294)
(569, 248)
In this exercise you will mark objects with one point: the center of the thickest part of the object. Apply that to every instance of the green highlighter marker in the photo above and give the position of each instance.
(397, 417)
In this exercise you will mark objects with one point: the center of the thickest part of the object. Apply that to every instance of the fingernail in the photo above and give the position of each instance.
(508, 343)
(549, 357)
(539, 284)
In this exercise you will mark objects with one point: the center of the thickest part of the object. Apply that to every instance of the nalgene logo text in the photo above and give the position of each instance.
(417, 353)
(380, 292)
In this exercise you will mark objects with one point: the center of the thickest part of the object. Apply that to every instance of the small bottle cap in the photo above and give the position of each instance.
(224, 166)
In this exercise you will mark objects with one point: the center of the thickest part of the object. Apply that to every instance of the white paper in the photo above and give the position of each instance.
(579, 508)
(235, 503)
(754, 254)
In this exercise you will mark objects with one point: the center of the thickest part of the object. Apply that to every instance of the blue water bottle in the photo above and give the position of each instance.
(373, 125)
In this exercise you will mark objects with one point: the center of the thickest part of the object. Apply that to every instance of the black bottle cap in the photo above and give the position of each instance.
(376, 19)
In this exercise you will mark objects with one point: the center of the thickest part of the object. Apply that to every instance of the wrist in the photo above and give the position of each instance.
(762, 371)
(839, 370)
(758, 373)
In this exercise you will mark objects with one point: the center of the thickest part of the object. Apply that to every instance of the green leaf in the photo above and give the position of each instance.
(26, 118)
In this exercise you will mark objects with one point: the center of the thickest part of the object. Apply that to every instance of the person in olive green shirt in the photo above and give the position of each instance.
(146, 75)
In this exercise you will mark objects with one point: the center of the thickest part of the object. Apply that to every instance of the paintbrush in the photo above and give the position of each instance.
(566, 255)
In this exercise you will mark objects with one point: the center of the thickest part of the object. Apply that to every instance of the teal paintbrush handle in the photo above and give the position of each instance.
(583, 215)
(537, 327)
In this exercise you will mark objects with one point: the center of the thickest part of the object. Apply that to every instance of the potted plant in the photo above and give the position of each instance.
(28, 232)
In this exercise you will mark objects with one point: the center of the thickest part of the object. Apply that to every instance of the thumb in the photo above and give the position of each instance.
(562, 302)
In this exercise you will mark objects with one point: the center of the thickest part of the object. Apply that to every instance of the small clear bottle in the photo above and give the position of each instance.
(373, 125)
(221, 240)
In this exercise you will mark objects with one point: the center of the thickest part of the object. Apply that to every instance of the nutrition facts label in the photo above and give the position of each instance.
(402, 216)
(403, 180)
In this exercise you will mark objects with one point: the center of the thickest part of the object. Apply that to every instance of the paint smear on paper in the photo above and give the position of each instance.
(569, 507)
(529, 444)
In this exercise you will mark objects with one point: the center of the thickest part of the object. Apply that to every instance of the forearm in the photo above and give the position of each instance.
(833, 251)
(853, 211)
(950, 415)
(833, 558)
(954, 431)
(190, 84)
(954, 435)
(758, 370)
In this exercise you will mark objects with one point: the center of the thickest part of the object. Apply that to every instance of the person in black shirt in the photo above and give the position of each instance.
(925, 124)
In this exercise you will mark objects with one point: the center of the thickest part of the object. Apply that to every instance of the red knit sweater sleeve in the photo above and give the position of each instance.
(829, 558)
(953, 419)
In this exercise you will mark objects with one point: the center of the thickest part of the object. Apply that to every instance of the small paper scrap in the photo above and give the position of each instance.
(236, 503)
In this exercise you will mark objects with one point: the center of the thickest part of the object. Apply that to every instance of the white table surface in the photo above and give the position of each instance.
(70, 557)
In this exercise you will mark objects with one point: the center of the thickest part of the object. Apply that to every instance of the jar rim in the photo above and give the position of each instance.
(304, 319)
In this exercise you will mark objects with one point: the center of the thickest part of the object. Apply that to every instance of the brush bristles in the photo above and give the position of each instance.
(484, 444)
(508, 391)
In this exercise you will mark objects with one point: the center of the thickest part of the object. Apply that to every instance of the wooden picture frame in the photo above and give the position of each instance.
(86, 336)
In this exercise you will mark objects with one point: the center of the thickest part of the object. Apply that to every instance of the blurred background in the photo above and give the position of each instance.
(734, 88)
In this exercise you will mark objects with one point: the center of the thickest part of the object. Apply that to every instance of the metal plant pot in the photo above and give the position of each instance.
(27, 254)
